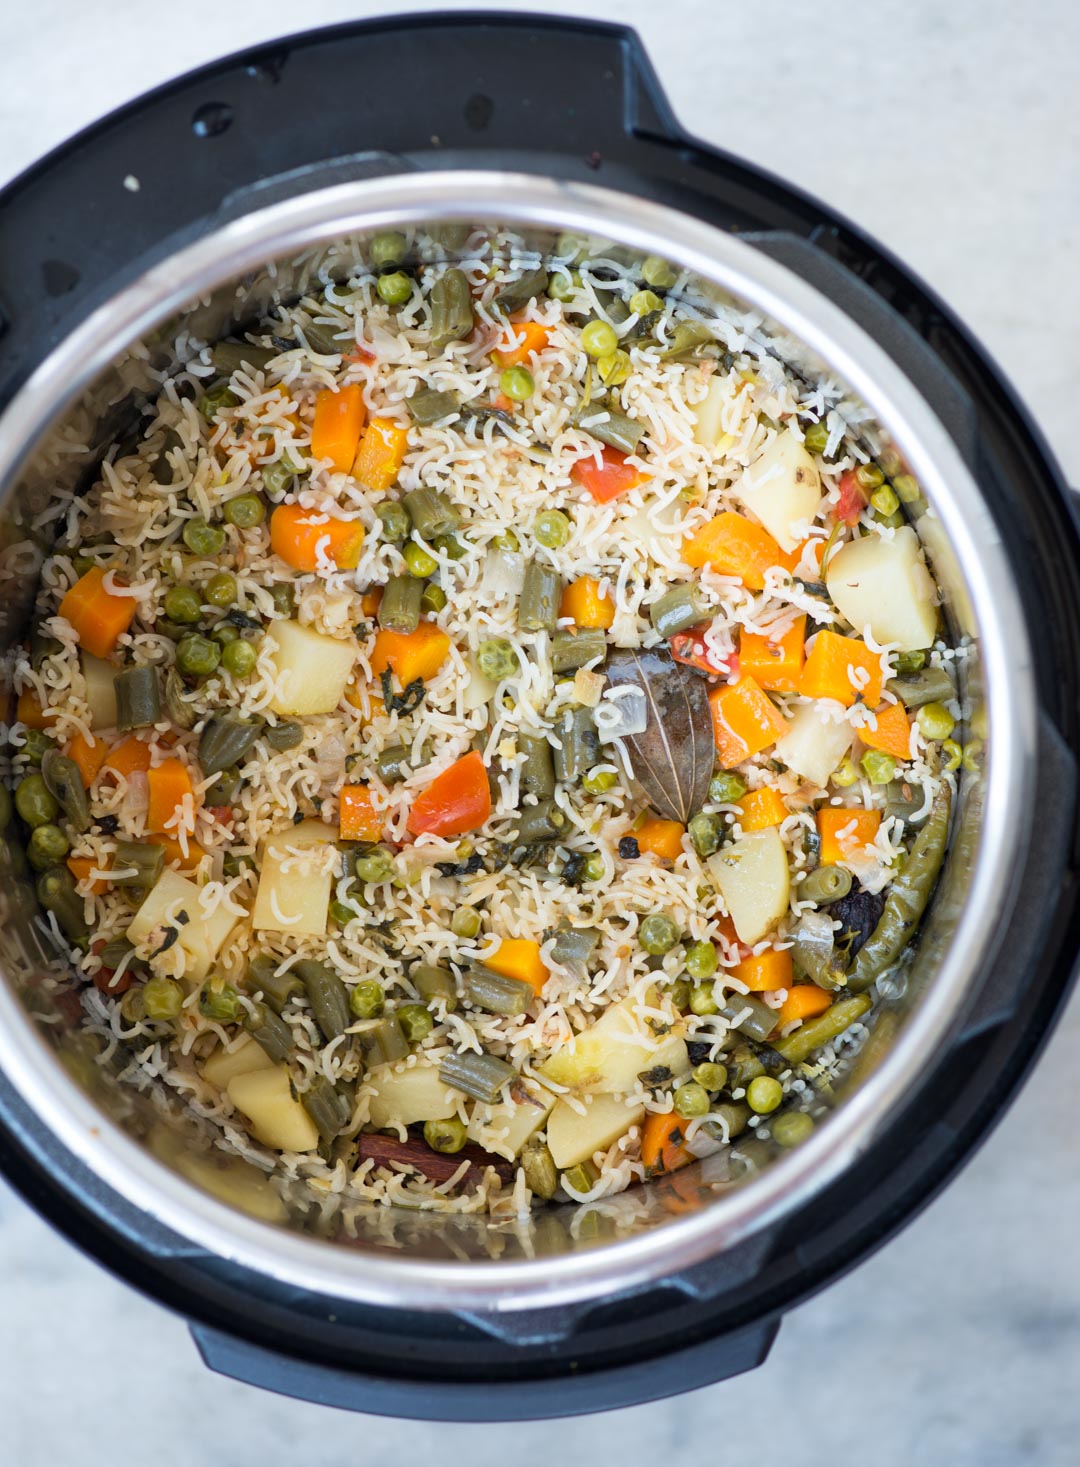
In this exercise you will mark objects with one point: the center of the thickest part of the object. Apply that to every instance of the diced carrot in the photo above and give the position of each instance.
(662, 1148)
(357, 815)
(382, 452)
(97, 616)
(519, 957)
(170, 785)
(835, 669)
(354, 696)
(893, 732)
(455, 802)
(726, 930)
(845, 832)
(88, 755)
(776, 665)
(130, 756)
(745, 721)
(521, 340)
(662, 838)
(606, 481)
(583, 602)
(28, 710)
(81, 867)
(503, 404)
(298, 535)
(760, 809)
(335, 433)
(734, 546)
(762, 972)
(174, 854)
(410, 655)
(105, 981)
(804, 1001)
(371, 600)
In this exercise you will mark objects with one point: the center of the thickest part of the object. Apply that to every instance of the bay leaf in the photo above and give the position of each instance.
(672, 761)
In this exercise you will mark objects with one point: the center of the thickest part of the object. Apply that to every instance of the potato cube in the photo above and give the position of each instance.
(296, 875)
(277, 1118)
(574, 1138)
(753, 877)
(311, 670)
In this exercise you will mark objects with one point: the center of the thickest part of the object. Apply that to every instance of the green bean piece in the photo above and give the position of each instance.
(376, 866)
(517, 383)
(518, 293)
(906, 662)
(429, 406)
(180, 712)
(928, 685)
(706, 833)
(395, 288)
(764, 1095)
(658, 934)
(220, 1002)
(618, 431)
(164, 471)
(283, 596)
(687, 337)
(416, 1023)
(228, 357)
(394, 521)
(541, 1174)
(815, 1033)
(217, 400)
(451, 310)
(482, 1076)
(236, 863)
(433, 982)
(289, 734)
(711, 1077)
(691, 1100)
(47, 846)
(573, 649)
(225, 788)
(537, 773)
(36, 745)
(495, 993)
(341, 912)
(758, 1023)
(574, 946)
(366, 999)
(182, 605)
(327, 995)
(541, 593)
(328, 1107)
(203, 539)
(399, 609)
(451, 547)
(324, 339)
(220, 590)
(541, 822)
(277, 477)
(701, 960)
(276, 988)
(197, 656)
(434, 599)
(730, 1116)
(227, 740)
(384, 1043)
(6, 807)
(907, 897)
(387, 249)
(792, 1128)
(579, 745)
(239, 658)
(678, 609)
(430, 514)
(743, 1065)
(163, 999)
(57, 894)
(905, 801)
(64, 783)
(825, 884)
(137, 864)
(138, 698)
(581, 1178)
(35, 801)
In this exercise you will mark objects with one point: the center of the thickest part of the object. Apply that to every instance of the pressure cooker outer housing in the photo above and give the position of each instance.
(226, 142)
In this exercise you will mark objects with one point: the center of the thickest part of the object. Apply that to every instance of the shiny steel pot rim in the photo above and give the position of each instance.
(397, 1280)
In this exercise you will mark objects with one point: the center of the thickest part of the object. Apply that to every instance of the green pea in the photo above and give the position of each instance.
(645, 303)
(657, 273)
(466, 922)
(691, 1100)
(680, 992)
(710, 1076)
(551, 529)
(517, 383)
(599, 780)
(563, 284)
(239, 658)
(284, 598)
(225, 787)
(701, 960)
(216, 400)
(418, 561)
(375, 866)
(869, 476)
(935, 721)
(220, 1001)
(47, 846)
(221, 590)
(764, 1094)
(907, 488)
(277, 478)
(879, 768)
(506, 541)
(846, 773)
(36, 745)
(342, 913)
(572, 247)
(197, 656)
(224, 633)
(614, 369)
(447, 1136)
(433, 599)
(792, 1128)
(598, 339)
(163, 998)
(6, 807)
(726, 788)
(203, 539)
(133, 1006)
(594, 868)
(658, 934)
(35, 802)
(183, 605)
(245, 511)
(702, 1001)
(816, 438)
(496, 659)
(706, 833)
(366, 999)
(909, 662)
(387, 249)
(394, 520)
(81, 564)
(416, 1022)
(884, 500)
(395, 289)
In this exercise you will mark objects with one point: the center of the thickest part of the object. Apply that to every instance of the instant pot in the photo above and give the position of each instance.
(206, 202)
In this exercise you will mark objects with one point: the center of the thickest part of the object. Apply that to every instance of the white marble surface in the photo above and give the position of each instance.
(953, 133)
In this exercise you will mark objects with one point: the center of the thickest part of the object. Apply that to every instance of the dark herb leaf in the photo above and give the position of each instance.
(405, 702)
(673, 759)
(858, 914)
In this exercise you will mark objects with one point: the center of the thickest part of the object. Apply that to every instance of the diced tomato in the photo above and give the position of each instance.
(220, 814)
(455, 802)
(853, 499)
(692, 649)
(608, 480)
(103, 978)
(360, 354)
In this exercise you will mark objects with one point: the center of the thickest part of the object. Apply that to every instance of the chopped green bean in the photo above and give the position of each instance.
(138, 698)
(328, 1106)
(429, 406)
(57, 894)
(227, 740)
(750, 1015)
(482, 1076)
(927, 685)
(824, 884)
(573, 649)
(579, 744)
(285, 735)
(451, 310)
(537, 774)
(327, 995)
(599, 781)
(815, 1033)
(540, 823)
(416, 1023)
(384, 1043)
(137, 864)
(228, 357)
(495, 993)
(678, 609)
(541, 1174)
(434, 983)
(518, 293)
(541, 593)
(64, 781)
(394, 521)
(399, 609)
(276, 988)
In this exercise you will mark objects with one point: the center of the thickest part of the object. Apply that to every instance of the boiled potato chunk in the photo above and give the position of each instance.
(242, 1058)
(885, 585)
(200, 938)
(277, 1119)
(814, 743)
(709, 413)
(295, 879)
(505, 1128)
(311, 670)
(753, 877)
(405, 1096)
(573, 1138)
(783, 489)
(607, 1057)
(100, 690)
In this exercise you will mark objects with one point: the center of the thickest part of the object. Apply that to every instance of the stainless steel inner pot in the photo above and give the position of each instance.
(82, 394)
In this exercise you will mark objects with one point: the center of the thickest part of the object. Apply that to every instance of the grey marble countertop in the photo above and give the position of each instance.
(952, 133)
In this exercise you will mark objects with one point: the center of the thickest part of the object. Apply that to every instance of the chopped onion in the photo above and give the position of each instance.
(503, 575)
(621, 712)
(478, 691)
